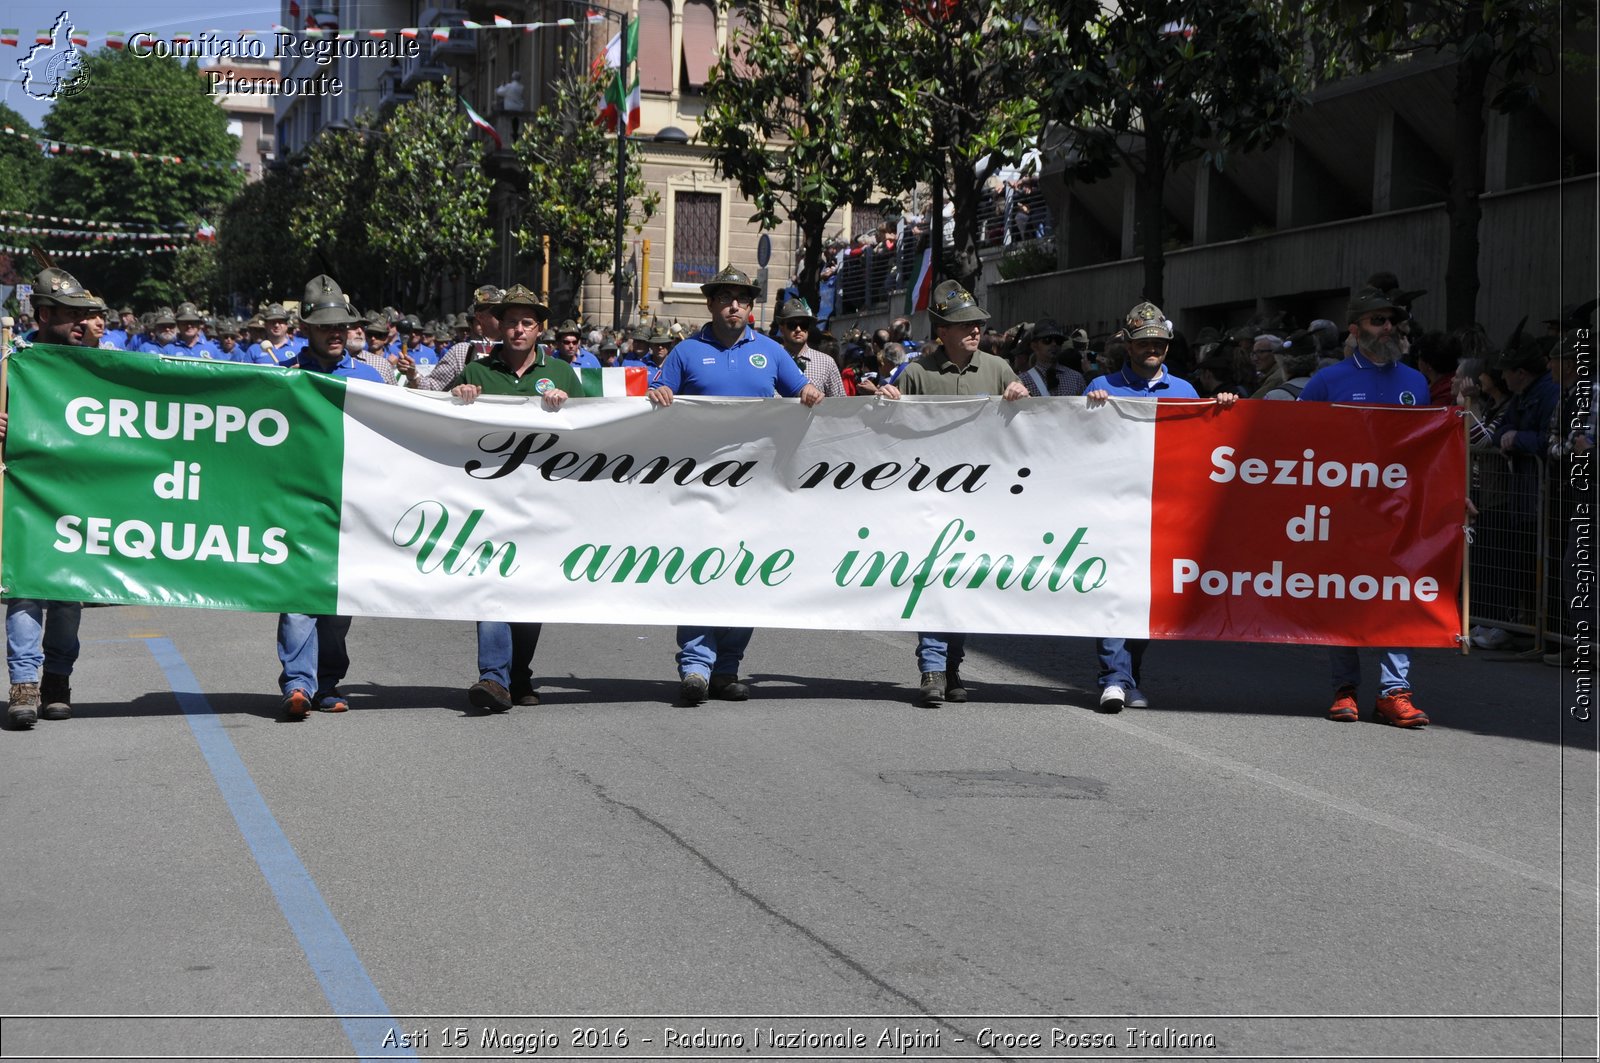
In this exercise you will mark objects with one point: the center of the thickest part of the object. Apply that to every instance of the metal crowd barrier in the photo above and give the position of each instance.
(1517, 549)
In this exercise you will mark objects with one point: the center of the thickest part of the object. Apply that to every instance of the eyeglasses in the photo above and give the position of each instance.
(800, 325)
(1380, 320)
(725, 296)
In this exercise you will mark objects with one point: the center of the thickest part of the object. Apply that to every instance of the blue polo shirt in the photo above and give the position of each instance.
(586, 360)
(348, 367)
(754, 366)
(1357, 379)
(201, 349)
(1130, 385)
(281, 355)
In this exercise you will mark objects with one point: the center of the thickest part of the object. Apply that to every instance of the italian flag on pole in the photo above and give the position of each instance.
(620, 54)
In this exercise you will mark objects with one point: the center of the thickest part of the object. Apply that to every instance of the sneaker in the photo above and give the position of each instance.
(728, 688)
(1112, 699)
(524, 695)
(931, 694)
(1397, 709)
(55, 693)
(1493, 638)
(692, 690)
(1345, 708)
(296, 704)
(332, 702)
(489, 696)
(954, 689)
(1477, 630)
(1137, 700)
(24, 708)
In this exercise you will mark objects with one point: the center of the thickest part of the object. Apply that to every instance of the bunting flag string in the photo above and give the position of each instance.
(97, 237)
(86, 223)
(120, 39)
(109, 252)
(61, 147)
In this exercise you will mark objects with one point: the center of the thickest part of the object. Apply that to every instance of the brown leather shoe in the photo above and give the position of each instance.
(489, 696)
(24, 707)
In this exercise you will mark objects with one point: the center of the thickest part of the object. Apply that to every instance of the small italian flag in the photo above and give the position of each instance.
(9, 37)
(623, 380)
(115, 40)
(78, 38)
(482, 123)
(921, 289)
(501, 21)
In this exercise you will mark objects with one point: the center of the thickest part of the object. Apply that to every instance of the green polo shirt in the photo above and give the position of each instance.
(934, 374)
(543, 373)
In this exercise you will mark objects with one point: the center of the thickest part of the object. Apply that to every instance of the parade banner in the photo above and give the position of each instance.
(179, 482)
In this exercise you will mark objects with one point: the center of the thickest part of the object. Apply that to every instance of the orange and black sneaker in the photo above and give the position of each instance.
(1397, 709)
(296, 704)
(332, 702)
(1344, 708)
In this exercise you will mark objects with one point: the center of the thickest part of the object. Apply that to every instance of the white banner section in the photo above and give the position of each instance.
(859, 514)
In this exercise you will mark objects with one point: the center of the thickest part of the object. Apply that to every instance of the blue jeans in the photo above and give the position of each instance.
(41, 633)
(940, 651)
(1394, 669)
(312, 651)
(712, 651)
(505, 652)
(1120, 661)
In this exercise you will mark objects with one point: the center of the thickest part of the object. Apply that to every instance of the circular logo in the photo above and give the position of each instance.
(1407, 399)
(758, 360)
(544, 384)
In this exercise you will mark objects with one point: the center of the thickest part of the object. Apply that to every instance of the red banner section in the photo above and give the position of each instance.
(1307, 522)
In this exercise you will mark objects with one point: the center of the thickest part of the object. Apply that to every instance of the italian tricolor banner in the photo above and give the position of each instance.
(179, 482)
(615, 380)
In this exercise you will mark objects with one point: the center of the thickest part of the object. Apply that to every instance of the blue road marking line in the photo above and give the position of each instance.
(345, 982)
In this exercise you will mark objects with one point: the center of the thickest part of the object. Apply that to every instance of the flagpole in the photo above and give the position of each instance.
(622, 176)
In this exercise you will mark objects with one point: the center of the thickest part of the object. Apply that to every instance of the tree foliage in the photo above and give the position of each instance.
(1501, 44)
(263, 256)
(571, 193)
(776, 120)
(21, 169)
(1165, 82)
(140, 104)
(333, 188)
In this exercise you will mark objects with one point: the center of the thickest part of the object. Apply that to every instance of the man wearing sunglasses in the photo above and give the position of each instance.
(795, 324)
(1373, 373)
(729, 358)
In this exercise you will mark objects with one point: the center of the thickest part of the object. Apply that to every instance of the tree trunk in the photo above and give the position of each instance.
(1152, 179)
(813, 225)
(1466, 184)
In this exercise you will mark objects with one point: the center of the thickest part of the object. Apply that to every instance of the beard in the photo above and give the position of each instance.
(356, 346)
(1386, 348)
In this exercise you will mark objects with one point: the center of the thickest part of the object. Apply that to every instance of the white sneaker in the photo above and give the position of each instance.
(1495, 638)
(1112, 699)
(1476, 631)
(1137, 700)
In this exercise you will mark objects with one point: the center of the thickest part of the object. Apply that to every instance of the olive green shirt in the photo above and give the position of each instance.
(543, 373)
(934, 374)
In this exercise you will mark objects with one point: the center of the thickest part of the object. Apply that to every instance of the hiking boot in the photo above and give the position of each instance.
(296, 704)
(1112, 699)
(24, 708)
(693, 689)
(55, 695)
(1344, 709)
(728, 688)
(931, 694)
(954, 689)
(333, 701)
(524, 695)
(1397, 709)
(489, 696)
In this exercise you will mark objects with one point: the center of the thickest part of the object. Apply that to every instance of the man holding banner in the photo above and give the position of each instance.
(312, 648)
(1373, 375)
(726, 357)
(40, 634)
(516, 366)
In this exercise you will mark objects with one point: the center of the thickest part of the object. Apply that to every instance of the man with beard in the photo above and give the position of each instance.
(795, 324)
(312, 648)
(355, 345)
(163, 335)
(1374, 374)
(726, 357)
(43, 635)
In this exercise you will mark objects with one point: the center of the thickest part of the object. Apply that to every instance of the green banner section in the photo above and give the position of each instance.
(128, 475)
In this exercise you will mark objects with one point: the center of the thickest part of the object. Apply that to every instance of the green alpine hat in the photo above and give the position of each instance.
(57, 287)
(376, 322)
(730, 277)
(163, 316)
(274, 312)
(188, 312)
(1369, 299)
(1147, 322)
(954, 305)
(325, 303)
(660, 336)
(487, 296)
(519, 295)
(796, 309)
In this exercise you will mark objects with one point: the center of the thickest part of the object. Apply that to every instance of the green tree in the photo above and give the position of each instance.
(334, 184)
(1165, 82)
(571, 191)
(261, 249)
(429, 211)
(1495, 44)
(775, 121)
(21, 169)
(140, 104)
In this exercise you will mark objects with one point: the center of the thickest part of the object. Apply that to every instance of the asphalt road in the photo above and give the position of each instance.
(823, 872)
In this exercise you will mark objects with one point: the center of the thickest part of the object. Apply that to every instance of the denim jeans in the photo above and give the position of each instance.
(505, 652)
(312, 651)
(1394, 669)
(940, 651)
(41, 633)
(712, 651)
(1120, 661)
